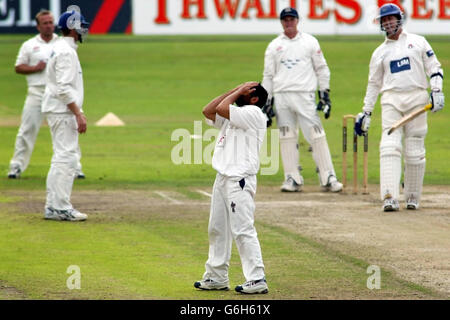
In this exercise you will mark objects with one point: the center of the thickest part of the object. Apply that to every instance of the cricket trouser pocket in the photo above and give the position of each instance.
(242, 183)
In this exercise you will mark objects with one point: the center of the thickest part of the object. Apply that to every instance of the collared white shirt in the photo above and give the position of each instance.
(236, 153)
(64, 78)
(31, 52)
(401, 65)
(296, 64)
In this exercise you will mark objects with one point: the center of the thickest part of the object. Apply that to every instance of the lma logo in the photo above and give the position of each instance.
(400, 65)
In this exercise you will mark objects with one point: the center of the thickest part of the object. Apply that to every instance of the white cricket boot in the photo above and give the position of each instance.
(209, 284)
(333, 185)
(412, 204)
(14, 172)
(51, 214)
(252, 287)
(71, 215)
(290, 185)
(390, 204)
(80, 175)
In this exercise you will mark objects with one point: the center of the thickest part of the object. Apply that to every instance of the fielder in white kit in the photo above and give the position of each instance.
(399, 68)
(236, 160)
(62, 105)
(31, 61)
(294, 66)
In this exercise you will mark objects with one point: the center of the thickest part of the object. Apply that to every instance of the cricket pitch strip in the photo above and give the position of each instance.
(413, 245)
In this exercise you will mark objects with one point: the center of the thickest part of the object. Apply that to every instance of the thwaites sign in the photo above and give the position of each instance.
(262, 16)
(17, 16)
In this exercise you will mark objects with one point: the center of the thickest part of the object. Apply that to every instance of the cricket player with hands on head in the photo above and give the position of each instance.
(62, 104)
(31, 62)
(399, 69)
(294, 67)
(236, 160)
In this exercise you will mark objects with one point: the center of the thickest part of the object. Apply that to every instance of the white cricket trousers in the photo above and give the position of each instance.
(297, 109)
(232, 217)
(29, 128)
(32, 119)
(64, 130)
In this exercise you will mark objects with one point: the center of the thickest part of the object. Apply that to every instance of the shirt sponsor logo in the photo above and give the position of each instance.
(400, 65)
(430, 53)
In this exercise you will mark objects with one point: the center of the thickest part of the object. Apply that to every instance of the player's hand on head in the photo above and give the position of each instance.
(248, 87)
(437, 100)
(362, 123)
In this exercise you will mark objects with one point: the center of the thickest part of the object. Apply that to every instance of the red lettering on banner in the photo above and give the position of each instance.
(162, 15)
(226, 5)
(352, 4)
(443, 6)
(317, 10)
(273, 14)
(201, 9)
(397, 2)
(256, 4)
(313, 5)
(418, 6)
(294, 4)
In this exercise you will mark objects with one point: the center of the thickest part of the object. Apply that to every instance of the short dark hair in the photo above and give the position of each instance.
(261, 93)
(65, 31)
(41, 13)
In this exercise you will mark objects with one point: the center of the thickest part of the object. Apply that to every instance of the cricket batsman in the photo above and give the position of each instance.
(399, 69)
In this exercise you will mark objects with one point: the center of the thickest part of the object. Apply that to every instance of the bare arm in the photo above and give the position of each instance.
(81, 119)
(223, 109)
(26, 69)
(209, 111)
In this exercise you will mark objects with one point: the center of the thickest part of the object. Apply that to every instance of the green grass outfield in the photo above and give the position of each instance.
(156, 85)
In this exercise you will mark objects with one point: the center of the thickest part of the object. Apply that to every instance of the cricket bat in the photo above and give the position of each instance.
(409, 117)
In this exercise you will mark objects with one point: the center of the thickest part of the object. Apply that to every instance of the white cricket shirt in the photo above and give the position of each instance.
(296, 64)
(64, 78)
(31, 52)
(236, 153)
(401, 65)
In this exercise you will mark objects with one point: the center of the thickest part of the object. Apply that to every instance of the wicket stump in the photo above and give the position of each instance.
(355, 157)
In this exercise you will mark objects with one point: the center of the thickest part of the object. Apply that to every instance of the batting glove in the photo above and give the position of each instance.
(362, 123)
(437, 100)
(324, 102)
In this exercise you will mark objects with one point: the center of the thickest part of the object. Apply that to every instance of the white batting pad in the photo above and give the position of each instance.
(321, 155)
(390, 165)
(414, 167)
(414, 174)
(289, 153)
(414, 150)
